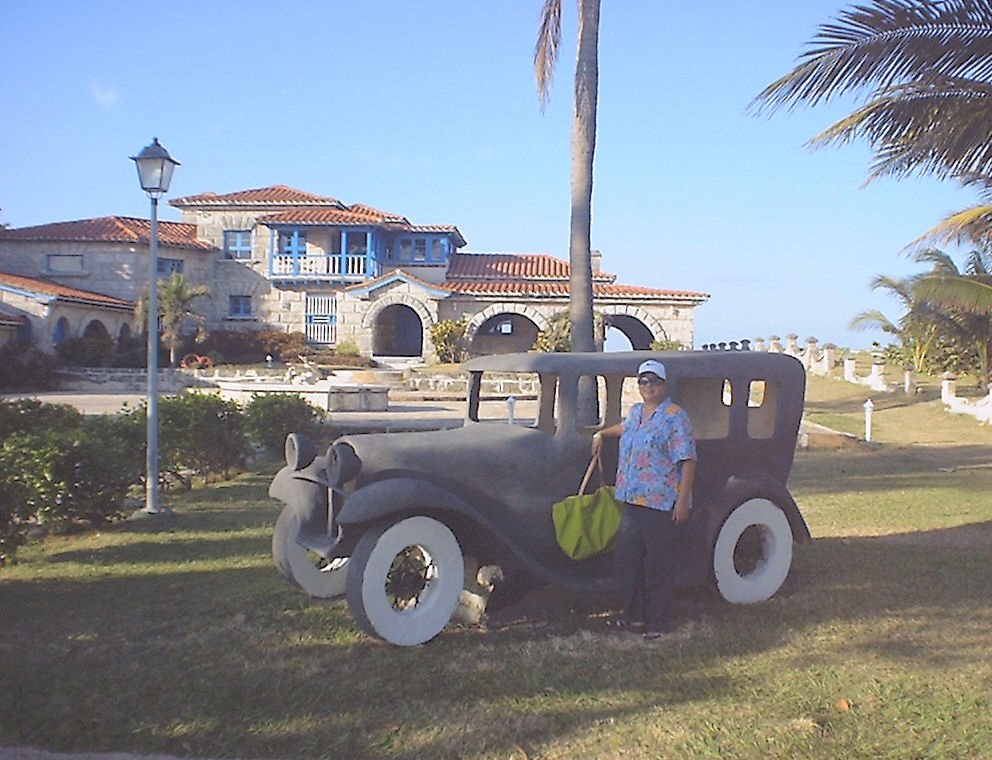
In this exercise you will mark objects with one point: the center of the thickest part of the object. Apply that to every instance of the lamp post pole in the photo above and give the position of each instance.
(155, 167)
(151, 453)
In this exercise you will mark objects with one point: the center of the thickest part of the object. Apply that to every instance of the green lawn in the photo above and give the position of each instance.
(182, 637)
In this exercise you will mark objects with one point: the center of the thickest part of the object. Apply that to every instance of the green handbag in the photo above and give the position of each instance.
(586, 524)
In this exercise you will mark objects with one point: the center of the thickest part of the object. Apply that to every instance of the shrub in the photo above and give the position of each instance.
(25, 368)
(558, 336)
(88, 351)
(347, 348)
(59, 468)
(269, 418)
(448, 337)
(131, 353)
(251, 347)
(199, 433)
(666, 345)
(283, 346)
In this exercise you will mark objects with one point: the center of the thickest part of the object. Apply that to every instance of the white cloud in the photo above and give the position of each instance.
(105, 96)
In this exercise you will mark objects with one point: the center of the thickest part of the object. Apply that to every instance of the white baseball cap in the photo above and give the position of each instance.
(654, 367)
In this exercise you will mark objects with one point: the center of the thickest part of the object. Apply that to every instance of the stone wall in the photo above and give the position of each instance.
(110, 380)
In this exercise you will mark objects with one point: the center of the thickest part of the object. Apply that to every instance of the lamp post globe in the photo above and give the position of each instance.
(155, 167)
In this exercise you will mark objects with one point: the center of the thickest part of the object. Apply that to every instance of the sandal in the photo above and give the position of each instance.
(620, 624)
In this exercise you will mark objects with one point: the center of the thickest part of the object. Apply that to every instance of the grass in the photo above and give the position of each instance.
(180, 636)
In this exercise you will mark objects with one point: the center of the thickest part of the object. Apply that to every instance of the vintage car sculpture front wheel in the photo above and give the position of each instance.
(405, 579)
(318, 577)
(753, 552)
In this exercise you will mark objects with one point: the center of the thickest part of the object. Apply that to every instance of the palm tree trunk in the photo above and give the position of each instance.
(583, 150)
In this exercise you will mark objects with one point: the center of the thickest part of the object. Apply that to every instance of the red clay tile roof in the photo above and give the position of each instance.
(361, 208)
(62, 292)
(540, 276)
(111, 229)
(358, 215)
(276, 195)
(318, 216)
(559, 289)
(513, 266)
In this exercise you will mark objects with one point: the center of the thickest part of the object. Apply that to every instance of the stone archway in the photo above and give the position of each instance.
(639, 326)
(398, 332)
(504, 333)
(398, 325)
(504, 309)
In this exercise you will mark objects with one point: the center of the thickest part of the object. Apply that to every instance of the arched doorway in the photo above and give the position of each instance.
(61, 331)
(398, 332)
(504, 334)
(634, 330)
(96, 330)
(123, 336)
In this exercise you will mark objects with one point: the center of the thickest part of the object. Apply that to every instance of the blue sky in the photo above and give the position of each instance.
(427, 108)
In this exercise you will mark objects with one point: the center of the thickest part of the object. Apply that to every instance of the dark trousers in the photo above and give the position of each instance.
(644, 552)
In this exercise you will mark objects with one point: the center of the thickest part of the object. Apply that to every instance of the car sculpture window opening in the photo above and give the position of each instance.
(761, 409)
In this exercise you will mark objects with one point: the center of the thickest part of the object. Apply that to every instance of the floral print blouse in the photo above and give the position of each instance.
(648, 472)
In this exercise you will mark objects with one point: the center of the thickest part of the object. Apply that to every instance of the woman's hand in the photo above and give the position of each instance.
(597, 443)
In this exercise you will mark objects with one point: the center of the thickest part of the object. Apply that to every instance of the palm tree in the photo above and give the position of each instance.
(950, 288)
(916, 330)
(926, 70)
(583, 149)
(175, 299)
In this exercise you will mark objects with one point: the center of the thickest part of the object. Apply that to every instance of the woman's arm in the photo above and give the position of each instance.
(613, 431)
(681, 512)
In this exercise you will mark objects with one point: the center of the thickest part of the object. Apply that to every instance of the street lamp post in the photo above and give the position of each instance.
(155, 167)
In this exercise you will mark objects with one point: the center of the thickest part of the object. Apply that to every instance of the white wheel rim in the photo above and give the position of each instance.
(318, 577)
(414, 622)
(759, 519)
(314, 575)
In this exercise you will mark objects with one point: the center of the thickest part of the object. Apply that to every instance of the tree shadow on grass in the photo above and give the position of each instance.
(232, 662)
(887, 468)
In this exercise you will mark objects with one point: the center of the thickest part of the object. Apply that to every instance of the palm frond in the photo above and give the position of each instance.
(546, 49)
(978, 264)
(873, 319)
(974, 224)
(900, 288)
(963, 293)
(942, 128)
(887, 42)
(941, 262)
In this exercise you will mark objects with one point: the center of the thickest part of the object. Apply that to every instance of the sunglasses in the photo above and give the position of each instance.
(649, 381)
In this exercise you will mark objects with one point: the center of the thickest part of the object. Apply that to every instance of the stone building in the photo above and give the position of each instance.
(277, 258)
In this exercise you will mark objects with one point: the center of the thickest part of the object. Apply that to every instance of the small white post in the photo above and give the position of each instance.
(869, 406)
(511, 404)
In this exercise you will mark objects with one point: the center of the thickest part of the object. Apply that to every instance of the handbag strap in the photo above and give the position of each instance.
(594, 463)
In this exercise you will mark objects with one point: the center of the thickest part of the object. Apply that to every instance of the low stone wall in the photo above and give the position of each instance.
(126, 380)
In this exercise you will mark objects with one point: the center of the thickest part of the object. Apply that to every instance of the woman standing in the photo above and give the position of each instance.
(655, 473)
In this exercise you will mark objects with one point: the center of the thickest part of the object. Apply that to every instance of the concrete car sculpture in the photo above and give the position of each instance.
(393, 520)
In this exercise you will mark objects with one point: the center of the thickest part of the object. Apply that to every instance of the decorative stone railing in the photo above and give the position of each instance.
(816, 360)
(494, 386)
(980, 409)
